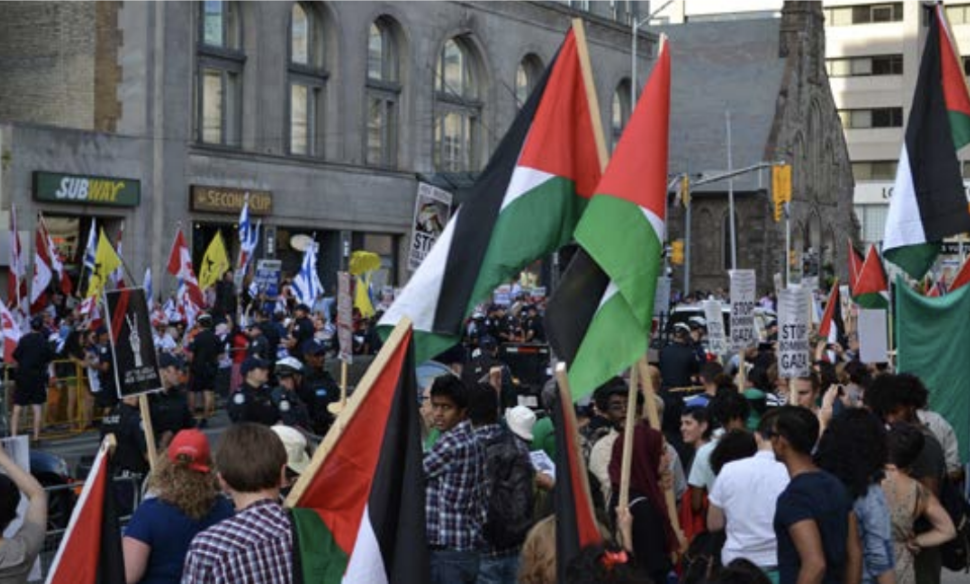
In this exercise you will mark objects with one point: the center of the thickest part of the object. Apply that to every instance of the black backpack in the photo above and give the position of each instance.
(956, 552)
(511, 497)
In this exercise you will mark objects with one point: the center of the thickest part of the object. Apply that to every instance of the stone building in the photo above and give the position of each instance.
(325, 113)
(769, 73)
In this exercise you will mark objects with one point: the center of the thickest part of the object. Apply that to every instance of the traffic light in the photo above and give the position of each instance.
(780, 188)
(685, 191)
(677, 252)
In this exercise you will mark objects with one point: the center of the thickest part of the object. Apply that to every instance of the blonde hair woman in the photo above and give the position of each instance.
(187, 501)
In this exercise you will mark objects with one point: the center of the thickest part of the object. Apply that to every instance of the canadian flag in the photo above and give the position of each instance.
(180, 266)
(186, 306)
(42, 270)
(56, 265)
(11, 333)
(17, 280)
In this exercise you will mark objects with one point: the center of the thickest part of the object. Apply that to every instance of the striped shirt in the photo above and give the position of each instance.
(255, 545)
(455, 503)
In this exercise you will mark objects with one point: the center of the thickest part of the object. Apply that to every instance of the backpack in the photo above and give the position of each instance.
(956, 552)
(511, 497)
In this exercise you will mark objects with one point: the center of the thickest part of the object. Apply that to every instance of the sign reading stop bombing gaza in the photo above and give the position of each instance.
(53, 187)
(742, 309)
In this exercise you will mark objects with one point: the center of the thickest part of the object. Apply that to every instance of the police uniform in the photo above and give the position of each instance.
(125, 423)
(318, 390)
(292, 410)
(170, 411)
(108, 396)
(253, 404)
(302, 332)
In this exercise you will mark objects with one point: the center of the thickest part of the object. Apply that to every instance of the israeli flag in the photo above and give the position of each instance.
(91, 249)
(306, 284)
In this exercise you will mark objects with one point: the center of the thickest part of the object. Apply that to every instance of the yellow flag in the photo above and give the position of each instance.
(362, 297)
(215, 263)
(106, 261)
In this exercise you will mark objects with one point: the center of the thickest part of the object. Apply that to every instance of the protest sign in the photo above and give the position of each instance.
(661, 299)
(716, 339)
(873, 342)
(742, 309)
(267, 277)
(793, 329)
(503, 295)
(345, 317)
(132, 348)
(432, 209)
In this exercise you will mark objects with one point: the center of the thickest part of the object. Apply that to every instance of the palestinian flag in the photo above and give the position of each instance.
(871, 289)
(523, 207)
(855, 266)
(962, 277)
(90, 550)
(358, 509)
(575, 521)
(928, 202)
(832, 325)
(599, 318)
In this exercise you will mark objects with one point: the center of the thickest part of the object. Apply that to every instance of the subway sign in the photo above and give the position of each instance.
(102, 191)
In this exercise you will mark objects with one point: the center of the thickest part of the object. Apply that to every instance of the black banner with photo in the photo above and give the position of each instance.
(135, 364)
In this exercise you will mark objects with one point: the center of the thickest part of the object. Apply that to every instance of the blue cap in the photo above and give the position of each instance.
(314, 347)
(253, 363)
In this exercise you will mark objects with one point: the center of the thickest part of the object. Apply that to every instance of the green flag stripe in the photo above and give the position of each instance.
(321, 559)
(959, 128)
(621, 239)
(914, 259)
(874, 300)
(551, 209)
(613, 342)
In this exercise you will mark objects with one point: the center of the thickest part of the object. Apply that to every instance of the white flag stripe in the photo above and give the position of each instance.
(419, 299)
(366, 563)
(523, 180)
(904, 225)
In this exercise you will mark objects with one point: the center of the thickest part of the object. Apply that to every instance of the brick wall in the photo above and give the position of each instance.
(47, 62)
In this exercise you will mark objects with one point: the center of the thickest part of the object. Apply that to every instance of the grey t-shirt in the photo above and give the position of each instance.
(18, 553)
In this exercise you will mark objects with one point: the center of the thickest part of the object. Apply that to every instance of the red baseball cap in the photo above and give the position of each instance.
(192, 446)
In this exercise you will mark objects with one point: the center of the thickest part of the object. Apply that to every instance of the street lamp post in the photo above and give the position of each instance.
(633, 50)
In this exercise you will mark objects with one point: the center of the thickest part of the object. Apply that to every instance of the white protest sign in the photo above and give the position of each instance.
(345, 317)
(661, 299)
(742, 309)
(873, 343)
(716, 339)
(793, 345)
(432, 209)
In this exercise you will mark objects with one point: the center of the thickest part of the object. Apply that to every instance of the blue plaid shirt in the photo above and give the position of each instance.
(455, 503)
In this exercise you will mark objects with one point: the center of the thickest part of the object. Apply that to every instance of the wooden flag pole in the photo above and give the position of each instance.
(146, 423)
(627, 460)
(340, 424)
(653, 416)
(338, 406)
(591, 97)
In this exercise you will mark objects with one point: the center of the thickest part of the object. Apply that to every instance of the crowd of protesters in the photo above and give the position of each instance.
(842, 475)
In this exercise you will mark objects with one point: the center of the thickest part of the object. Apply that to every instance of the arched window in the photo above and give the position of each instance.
(458, 108)
(383, 93)
(620, 113)
(307, 81)
(526, 77)
(219, 69)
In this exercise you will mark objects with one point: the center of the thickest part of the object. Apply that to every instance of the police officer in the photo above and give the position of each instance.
(252, 402)
(301, 331)
(292, 410)
(319, 389)
(107, 398)
(258, 343)
(130, 460)
(170, 407)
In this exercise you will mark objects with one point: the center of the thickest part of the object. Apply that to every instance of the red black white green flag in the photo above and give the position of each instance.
(928, 202)
(90, 550)
(522, 207)
(600, 317)
(855, 266)
(576, 525)
(871, 288)
(358, 509)
(832, 326)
